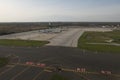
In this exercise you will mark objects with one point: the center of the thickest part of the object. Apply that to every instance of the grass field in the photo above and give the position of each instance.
(11, 28)
(58, 77)
(100, 41)
(22, 43)
(3, 61)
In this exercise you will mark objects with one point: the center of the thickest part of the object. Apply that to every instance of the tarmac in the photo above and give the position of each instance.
(62, 52)
(66, 37)
(69, 58)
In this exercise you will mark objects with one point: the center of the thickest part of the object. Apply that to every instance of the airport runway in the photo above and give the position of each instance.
(67, 39)
(66, 56)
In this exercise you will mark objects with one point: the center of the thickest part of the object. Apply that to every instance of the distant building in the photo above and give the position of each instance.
(49, 23)
(103, 26)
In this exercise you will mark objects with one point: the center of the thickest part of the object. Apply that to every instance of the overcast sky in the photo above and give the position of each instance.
(59, 10)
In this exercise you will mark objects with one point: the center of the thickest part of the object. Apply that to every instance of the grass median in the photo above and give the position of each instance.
(58, 77)
(22, 43)
(3, 61)
(100, 41)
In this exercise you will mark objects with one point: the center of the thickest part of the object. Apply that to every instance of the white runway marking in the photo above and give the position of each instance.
(6, 70)
(20, 73)
(38, 75)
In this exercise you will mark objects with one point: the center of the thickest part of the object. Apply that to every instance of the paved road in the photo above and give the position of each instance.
(113, 44)
(67, 39)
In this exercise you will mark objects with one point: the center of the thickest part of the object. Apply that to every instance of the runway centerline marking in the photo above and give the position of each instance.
(38, 75)
(6, 70)
(13, 78)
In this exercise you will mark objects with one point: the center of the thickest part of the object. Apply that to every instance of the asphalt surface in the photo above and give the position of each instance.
(27, 74)
(65, 56)
(67, 39)
(11, 73)
(57, 36)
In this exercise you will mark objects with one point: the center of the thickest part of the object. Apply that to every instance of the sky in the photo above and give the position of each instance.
(60, 10)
